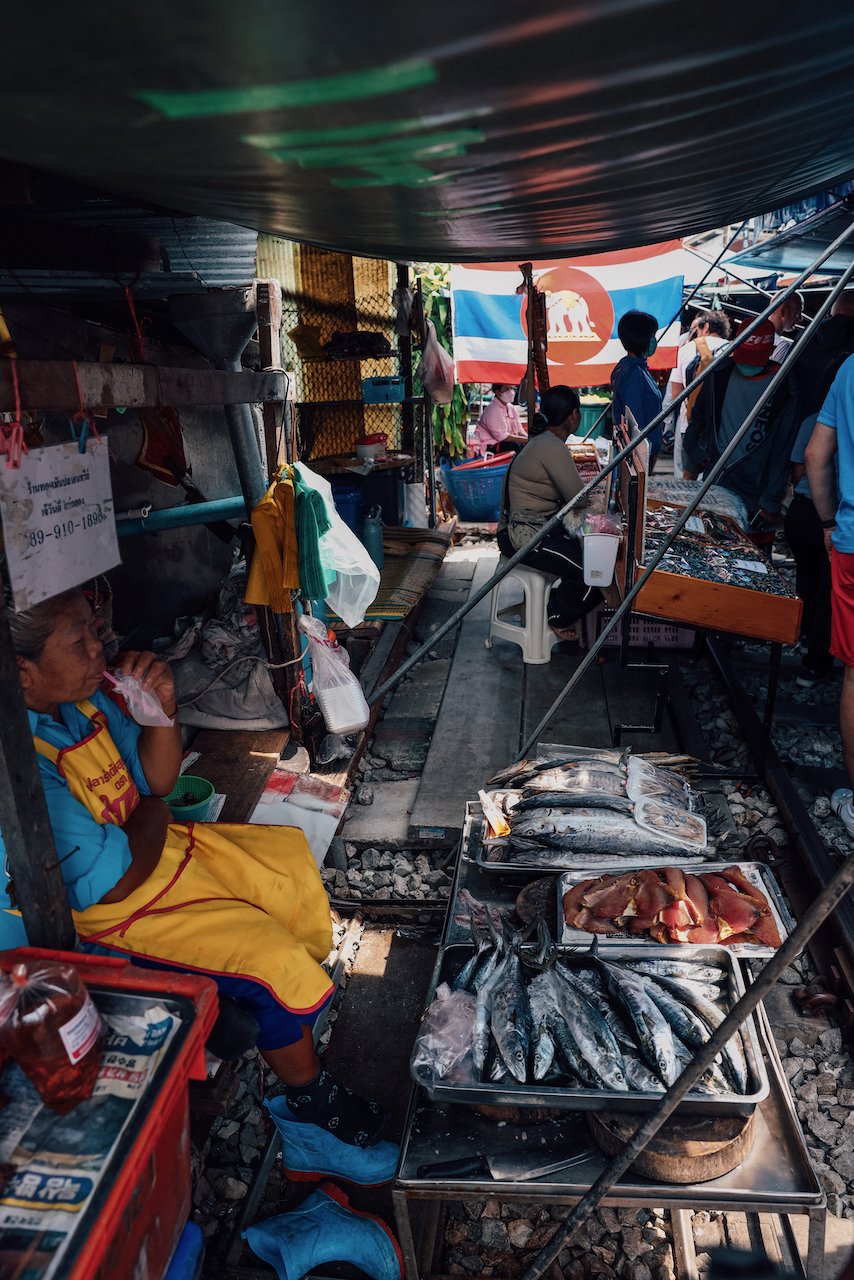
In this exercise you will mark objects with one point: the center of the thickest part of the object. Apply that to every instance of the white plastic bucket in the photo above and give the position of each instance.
(343, 708)
(414, 506)
(600, 558)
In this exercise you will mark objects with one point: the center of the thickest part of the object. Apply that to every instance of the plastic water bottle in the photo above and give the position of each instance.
(372, 536)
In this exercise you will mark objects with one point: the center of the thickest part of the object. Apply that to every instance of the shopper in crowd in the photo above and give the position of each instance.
(758, 470)
(832, 440)
(784, 319)
(499, 420)
(805, 537)
(632, 385)
(539, 482)
(709, 331)
(242, 904)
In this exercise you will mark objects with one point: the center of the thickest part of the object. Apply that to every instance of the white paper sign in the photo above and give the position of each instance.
(58, 523)
(753, 566)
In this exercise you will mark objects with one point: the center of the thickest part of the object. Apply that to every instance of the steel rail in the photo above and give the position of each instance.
(824, 905)
(710, 477)
(580, 498)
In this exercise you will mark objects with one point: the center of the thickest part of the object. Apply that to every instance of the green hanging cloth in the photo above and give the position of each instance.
(312, 521)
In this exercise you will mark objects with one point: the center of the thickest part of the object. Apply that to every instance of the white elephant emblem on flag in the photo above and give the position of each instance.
(569, 316)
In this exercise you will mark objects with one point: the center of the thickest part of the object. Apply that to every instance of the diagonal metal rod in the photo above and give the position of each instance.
(581, 497)
(813, 919)
(709, 479)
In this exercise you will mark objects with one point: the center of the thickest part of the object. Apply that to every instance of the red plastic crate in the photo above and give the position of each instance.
(149, 1199)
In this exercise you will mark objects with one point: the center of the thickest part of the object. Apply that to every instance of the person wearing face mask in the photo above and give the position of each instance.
(632, 385)
(539, 481)
(758, 470)
(499, 420)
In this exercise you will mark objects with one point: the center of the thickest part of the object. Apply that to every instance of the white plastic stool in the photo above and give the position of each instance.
(533, 633)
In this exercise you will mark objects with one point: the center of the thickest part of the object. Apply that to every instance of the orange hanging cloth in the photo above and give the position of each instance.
(274, 572)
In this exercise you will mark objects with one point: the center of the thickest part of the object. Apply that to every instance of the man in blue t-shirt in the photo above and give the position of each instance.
(834, 434)
(632, 385)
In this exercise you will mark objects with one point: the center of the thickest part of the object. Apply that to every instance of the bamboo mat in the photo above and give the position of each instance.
(413, 558)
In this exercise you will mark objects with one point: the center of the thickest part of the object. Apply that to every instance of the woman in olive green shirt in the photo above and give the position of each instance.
(541, 479)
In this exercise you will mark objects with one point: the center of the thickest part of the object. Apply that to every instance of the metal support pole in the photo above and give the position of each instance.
(815, 916)
(39, 891)
(580, 498)
(244, 442)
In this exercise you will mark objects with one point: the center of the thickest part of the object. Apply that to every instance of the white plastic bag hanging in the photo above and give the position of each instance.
(357, 578)
(436, 368)
(339, 694)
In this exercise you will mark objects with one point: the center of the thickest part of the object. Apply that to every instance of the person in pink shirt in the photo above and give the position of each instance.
(499, 420)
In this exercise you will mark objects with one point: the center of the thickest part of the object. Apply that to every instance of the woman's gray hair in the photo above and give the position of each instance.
(32, 629)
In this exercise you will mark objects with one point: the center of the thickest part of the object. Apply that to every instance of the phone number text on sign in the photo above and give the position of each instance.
(58, 524)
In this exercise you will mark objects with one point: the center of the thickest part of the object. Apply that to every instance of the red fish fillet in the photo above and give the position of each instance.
(572, 899)
(697, 899)
(734, 911)
(611, 896)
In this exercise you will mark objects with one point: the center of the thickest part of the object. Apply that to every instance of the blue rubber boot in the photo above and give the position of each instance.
(310, 1153)
(326, 1229)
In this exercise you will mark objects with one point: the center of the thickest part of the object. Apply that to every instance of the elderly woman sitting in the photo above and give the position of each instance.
(243, 904)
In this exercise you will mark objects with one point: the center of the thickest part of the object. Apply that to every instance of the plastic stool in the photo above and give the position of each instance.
(532, 634)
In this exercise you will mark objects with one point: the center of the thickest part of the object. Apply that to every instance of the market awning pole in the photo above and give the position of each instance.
(708, 481)
(814, 917)
(39, 892)
(553, 521)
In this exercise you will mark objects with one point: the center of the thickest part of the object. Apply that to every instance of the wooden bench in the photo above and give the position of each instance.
(239, 763)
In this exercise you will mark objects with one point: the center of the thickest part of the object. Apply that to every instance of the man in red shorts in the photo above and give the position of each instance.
(834, 434)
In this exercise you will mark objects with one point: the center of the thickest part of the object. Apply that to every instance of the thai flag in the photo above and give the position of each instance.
(585, 298)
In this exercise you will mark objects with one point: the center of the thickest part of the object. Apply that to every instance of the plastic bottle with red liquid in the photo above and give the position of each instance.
(51, 1028)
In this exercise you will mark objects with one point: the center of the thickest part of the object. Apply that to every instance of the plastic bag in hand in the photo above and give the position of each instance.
(436, 368)
(339, 694)
(143, 705)
(357, 578)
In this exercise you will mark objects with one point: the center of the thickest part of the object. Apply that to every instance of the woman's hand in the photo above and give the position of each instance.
(153, 673)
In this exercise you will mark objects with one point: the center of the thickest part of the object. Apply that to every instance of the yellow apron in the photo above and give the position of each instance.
(225, 898)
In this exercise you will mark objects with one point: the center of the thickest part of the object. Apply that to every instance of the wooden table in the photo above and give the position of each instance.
(697, 602)
(348, 464)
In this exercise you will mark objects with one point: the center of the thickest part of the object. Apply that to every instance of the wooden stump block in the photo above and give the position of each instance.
(539, 898)
(686, 1149)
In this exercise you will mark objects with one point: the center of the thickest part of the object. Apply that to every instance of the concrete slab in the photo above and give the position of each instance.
(421, 694)
(385, 823)
(478, 726)
(404, 741)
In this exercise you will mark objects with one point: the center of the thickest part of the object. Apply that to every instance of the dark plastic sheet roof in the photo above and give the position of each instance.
(474, 130)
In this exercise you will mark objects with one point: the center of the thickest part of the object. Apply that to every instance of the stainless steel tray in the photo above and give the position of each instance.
(756, 872)
(776, 1177)
(563, 1097)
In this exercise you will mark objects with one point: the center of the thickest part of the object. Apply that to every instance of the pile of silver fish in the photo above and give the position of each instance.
(586, 1022)
(588, 804)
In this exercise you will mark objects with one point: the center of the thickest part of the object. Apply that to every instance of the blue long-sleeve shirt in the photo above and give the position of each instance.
(93, 856)
(633, 387)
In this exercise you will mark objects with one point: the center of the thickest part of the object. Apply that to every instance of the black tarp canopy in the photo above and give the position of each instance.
(445, 131)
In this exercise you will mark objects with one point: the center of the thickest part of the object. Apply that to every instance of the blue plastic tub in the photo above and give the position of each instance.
(350, 505)
(476, 493)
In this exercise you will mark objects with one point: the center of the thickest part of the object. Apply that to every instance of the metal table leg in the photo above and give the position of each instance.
(403, 1221)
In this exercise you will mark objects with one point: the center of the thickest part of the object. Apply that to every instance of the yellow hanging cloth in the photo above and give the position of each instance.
(274, 572)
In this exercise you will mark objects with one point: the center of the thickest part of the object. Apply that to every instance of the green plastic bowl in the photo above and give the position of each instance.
(190, 799)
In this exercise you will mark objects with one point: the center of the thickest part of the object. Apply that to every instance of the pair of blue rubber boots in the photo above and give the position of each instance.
(325, 1228)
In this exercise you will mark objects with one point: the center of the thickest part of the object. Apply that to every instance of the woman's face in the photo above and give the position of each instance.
(71, 664)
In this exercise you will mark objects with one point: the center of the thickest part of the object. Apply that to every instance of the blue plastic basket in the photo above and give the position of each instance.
(477, 493)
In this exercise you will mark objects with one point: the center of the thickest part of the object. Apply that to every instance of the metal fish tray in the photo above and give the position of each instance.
(756, 872)
(564, 1097)
(491, 856)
